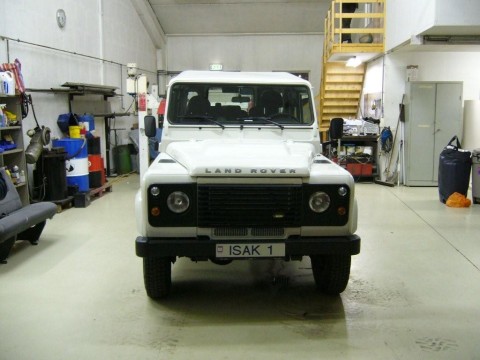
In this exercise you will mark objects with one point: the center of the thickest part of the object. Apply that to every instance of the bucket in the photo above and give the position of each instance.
(121, 159)
(76, 163)
(8, 82)
(74, 132)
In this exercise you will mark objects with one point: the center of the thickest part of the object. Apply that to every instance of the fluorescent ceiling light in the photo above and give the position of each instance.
(353, 62)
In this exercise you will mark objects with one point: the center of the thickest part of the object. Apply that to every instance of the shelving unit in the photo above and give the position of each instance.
(359, 166)
(16, 156)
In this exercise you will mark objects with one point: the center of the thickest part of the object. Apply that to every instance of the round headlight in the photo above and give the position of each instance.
(154, 191)
(178, 202)
(342, 191)
(319, 202)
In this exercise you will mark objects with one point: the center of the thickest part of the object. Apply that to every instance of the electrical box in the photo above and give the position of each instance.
(131, 88)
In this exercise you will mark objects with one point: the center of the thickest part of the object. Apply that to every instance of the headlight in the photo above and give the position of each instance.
(319, 202)
(178, 202)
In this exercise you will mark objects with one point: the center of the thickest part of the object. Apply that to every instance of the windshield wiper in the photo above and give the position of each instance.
(267, 119)
(202, 117)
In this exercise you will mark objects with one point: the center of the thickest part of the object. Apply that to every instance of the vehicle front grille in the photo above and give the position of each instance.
(267, 206)
(245, 232)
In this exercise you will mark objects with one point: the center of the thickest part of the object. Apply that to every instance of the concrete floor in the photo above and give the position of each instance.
(414, 291)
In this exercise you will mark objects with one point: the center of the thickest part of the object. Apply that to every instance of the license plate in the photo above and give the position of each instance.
(250, 250)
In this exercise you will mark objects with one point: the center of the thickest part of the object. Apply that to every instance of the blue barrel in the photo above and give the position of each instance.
(76, 163)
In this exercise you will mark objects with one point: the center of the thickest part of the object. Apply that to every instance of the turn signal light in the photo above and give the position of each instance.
(341, 211)
(155, 211)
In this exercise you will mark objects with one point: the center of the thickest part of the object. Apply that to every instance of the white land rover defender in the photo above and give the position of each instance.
(240, 175)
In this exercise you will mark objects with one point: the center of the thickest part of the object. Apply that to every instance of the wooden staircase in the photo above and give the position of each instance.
(341, 86)
(340, 92)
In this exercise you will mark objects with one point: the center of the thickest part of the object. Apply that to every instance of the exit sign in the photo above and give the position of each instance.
(216, 67)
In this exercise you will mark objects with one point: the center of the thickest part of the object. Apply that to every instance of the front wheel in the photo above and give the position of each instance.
(157, 275)
(331, 272)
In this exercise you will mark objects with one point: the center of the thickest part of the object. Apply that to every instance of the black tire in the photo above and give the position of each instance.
(157, 275)
(331, 272)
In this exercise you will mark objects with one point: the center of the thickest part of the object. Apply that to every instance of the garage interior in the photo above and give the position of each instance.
(413, 289)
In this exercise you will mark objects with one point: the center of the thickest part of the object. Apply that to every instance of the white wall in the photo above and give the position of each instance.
(108, 29)
(405, 18)
(248, 53)
(458, 12)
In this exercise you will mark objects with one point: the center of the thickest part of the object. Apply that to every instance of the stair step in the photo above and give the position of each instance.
(342, 95)
(340, 102)
(350, 78)
(343, 87)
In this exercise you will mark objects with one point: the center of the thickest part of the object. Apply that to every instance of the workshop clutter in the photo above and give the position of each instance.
(17, 175)
(357, 160)
(7, 118)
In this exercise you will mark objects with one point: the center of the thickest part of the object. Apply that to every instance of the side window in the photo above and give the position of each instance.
(306, 109)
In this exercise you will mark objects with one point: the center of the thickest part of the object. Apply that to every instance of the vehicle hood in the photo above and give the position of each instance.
(243, 157)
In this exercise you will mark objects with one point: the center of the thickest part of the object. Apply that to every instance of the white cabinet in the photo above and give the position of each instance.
(433, 115)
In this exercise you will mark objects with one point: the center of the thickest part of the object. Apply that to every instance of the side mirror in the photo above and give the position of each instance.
(150, 127)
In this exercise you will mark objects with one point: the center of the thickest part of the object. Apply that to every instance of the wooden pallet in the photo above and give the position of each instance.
(100, 191)
(63, 204)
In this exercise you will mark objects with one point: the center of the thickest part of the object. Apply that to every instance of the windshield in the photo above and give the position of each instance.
(240, 104)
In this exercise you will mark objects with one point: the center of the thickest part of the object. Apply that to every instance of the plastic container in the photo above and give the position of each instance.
(8, 82)
(476, 176)
(76, 163)
(88, 122)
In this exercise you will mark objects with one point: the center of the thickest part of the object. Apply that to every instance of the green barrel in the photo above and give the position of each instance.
(122, 160)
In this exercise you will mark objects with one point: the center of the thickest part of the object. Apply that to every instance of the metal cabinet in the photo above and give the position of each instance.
(433, 115)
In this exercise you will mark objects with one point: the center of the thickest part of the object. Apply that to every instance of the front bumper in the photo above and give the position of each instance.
(195, 247)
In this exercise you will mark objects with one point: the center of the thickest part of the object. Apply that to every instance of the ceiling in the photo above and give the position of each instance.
(230, 17)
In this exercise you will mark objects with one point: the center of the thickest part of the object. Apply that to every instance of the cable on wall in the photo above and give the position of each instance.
(8, 39)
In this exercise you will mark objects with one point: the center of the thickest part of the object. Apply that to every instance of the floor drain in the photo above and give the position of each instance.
(280, 280)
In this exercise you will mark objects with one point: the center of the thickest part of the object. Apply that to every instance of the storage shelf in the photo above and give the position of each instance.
(10, 158)
(13, 151)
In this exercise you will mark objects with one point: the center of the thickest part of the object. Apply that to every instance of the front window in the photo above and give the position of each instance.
(240, 104)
